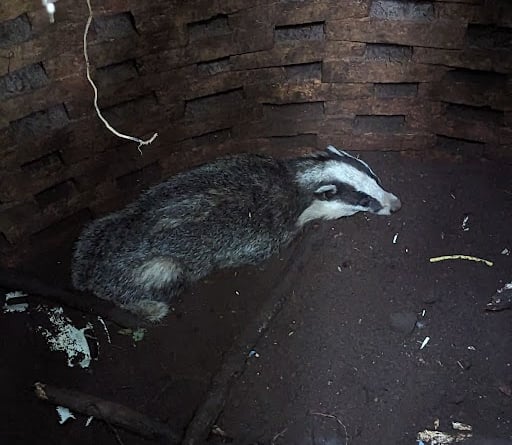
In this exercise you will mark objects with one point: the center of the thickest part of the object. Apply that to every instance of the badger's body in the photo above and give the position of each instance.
(234, 211)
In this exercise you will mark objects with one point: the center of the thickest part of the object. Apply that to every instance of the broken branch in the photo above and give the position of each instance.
(110, 412)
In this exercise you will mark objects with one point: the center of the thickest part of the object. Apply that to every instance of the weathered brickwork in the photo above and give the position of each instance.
(223, 76)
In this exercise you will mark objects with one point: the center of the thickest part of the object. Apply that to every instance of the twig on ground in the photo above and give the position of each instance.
(277, 436)
(115, 433)
(461, 257)
(110, 412)
(141, 142)
(332, 416)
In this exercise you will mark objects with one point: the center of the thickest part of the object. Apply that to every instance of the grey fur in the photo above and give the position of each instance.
(236, 210)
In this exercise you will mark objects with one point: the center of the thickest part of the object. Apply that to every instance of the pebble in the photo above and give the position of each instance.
(404, 322)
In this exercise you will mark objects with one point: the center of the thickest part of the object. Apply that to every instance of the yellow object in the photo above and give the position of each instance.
(460, 257)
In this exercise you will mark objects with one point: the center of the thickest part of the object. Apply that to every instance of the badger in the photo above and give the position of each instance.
(237, 210)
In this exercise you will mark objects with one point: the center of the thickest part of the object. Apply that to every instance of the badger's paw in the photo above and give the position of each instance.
(151, 310)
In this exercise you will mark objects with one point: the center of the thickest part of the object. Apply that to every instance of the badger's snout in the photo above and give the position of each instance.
(391, 204)
(395, 205)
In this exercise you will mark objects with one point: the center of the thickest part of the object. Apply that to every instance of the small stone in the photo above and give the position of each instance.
(431, 298)
(404, 322)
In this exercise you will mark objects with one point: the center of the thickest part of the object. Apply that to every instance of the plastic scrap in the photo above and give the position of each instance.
(67, 338)
(64, 414)
(14, 307)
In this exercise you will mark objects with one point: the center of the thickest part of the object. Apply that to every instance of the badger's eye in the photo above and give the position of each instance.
(365, 202)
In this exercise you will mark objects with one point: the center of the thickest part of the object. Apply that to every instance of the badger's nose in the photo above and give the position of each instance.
(395, 205)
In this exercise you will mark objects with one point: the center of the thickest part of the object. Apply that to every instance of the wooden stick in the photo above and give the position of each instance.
(15, 280)
(110, 412)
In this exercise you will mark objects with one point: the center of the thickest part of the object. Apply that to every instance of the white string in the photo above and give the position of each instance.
(98, 112)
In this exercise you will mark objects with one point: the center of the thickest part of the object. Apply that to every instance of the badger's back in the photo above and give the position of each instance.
(236, 210)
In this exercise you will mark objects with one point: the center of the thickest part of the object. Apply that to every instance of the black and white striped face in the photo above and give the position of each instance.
(345, 185)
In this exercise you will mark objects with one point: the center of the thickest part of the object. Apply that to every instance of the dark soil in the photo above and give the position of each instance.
(341, 363)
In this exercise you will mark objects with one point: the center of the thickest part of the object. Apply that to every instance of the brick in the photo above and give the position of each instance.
(312, 91)
(112, 27)
(136, 108)
(379, 124)
(217, 103)
(472, 113)
(471, 123)
(432, 34)
(116, 72)
(476, 59)
(15, 31)
(212, 137)
(17, 219)
(58, 192)
(303, 111)
(50, 96)
(10, 9)
(387, 52)
(304, 71)
(460, 147)
(295, 13)
(212, 27)
(458, 11)
(402, 10)
(49, 162)
(281, 125)
(307, 31)
(40, 122)
(22, 81)
(489, 37)
(386, 90)
(214, 66)
(141, 178)
(48, 45)
(281, 146)
(62, 230)
(471, 87)
(380, 141)
(390, 106)
(199, 10)
(379, 72)
(294, 53)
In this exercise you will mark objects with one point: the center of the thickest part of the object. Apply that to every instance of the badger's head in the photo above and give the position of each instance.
(342, 185)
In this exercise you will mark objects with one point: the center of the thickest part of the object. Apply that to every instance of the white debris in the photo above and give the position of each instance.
(423, 312)
(461, 426)
(105, 328)
(440, 438)
(424, 342)
(465, 223)
(20, 307)
(67, 338)
(15, 294)
(395, 238)
(64, 414)
(14, 307)
(471, 348)
(505, 251)
(89, 420)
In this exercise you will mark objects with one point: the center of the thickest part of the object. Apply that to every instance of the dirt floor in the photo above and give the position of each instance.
(341, 362)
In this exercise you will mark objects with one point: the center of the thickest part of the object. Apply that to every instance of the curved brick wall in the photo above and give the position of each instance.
(232, 75)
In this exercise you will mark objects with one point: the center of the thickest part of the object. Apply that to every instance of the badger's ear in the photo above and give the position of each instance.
(326, 192)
